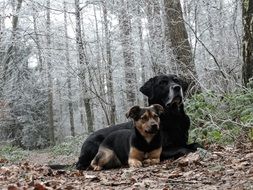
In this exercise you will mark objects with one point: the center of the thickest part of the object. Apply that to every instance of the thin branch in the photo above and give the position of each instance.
(208, 51)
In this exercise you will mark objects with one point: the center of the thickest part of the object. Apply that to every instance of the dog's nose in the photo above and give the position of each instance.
(154, 127)
(176, 88)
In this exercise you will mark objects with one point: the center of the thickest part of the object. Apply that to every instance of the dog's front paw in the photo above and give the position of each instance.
(151, 161)
(154, 161)
(134, 163)
(147, 161)
(97, 168)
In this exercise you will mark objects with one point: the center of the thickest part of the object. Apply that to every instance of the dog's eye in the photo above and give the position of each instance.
(175, 79)
(144, 118)
(156, 116)
(163, 82)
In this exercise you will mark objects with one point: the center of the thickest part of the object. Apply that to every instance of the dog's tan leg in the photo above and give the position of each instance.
(134, 163)
(154, 156)
(135, 157)
(97, 168)
(103, 156)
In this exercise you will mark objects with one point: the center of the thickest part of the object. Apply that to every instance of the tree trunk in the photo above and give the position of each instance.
(37, 41)
(177, 37)
(2, 21)
(109, 67)
(247, 51)
(70, 104)
(100, 75)
(10, 55)
(49, 77)
(156, 45)
(127, 48)
(82, 59)
(142, 64)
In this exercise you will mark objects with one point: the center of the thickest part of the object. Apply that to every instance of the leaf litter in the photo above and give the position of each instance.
(216, 168)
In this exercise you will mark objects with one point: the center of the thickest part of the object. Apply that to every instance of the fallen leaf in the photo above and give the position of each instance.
(249, 155)
(12, 187)
(91, 177)
(3, 160)
(176, 173)
(241, 165)
(38, 186)
(189, 159)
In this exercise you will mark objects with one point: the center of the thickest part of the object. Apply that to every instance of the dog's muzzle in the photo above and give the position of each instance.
(154, 128)
(175, 96)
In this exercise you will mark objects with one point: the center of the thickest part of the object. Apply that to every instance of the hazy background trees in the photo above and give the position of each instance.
(69, 67)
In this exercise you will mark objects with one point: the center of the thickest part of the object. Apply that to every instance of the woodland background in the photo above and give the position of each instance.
(72, 67)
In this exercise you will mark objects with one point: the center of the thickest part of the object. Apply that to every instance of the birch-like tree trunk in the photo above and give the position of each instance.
(2, 21)
(100, 75)
(142, 57)
(70, 104)
(156, 43)
(109, 66)
(177, 37)
(37, 41)
(10, 57)
(127, 48)
(247, 69)
(49, 77)
(83, 62)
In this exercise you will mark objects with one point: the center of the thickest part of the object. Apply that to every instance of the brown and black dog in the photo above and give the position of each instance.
(168, 91)
(141, 144)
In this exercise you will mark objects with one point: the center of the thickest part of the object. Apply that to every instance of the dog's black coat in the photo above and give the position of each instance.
(91, 144)
(166, 90)
(120, 142)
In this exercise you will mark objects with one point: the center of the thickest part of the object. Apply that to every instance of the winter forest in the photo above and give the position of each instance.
(72, 67)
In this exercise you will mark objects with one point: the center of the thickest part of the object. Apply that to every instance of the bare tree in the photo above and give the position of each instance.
(37, 40)
(49, 77)
(69, 72)
(83, 62)
(178, 38)
(127, 48)
(247, 69)
(11, 51)
(109, 66)
(67, 57)
(142, 56)
(156, 42)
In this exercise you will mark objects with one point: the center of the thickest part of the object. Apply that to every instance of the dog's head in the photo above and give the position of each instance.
(146, 119)
(166, 90)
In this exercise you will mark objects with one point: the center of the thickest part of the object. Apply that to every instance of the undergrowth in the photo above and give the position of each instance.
(221, 119)
(12, 153)
(214, 119)
(70, 146)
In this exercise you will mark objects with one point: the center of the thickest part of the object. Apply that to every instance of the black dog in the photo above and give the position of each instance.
(141, 144)
(166, 90)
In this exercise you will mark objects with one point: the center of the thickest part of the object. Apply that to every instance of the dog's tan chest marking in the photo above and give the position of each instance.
(136, 157)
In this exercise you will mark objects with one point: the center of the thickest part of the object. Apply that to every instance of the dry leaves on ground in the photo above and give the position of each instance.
(217, 168)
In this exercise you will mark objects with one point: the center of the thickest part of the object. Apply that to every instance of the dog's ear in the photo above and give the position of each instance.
(184, 84)
(147, 88)
(134, 112)
(158, 109)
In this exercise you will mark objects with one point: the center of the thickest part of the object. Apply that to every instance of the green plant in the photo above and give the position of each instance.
(12, 153)
(70, 146)
(220, 119)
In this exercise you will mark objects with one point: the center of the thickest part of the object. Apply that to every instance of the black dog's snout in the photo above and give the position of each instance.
(176, 88)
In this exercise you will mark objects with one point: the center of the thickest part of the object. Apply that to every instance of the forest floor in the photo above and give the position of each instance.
(218, 167)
